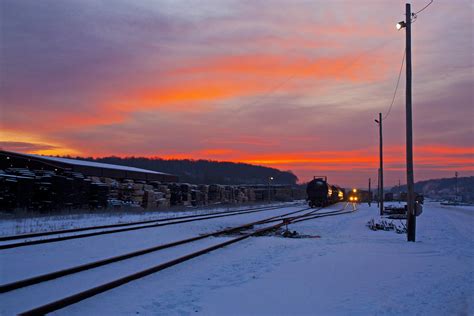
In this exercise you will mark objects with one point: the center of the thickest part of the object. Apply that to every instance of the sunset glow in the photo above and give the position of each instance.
(294, 86)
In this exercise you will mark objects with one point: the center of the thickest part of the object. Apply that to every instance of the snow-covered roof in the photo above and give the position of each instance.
(86, 163)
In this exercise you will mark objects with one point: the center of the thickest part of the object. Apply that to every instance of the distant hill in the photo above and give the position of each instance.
(445, 188)
(205, 171)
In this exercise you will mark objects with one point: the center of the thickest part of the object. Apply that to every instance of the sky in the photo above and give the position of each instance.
(294, 85)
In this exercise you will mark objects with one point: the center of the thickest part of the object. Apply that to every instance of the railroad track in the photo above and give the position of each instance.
(8, 242)
(46, 277)
(259, 227)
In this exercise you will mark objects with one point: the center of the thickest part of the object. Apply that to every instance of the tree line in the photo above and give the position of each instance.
(205, 171)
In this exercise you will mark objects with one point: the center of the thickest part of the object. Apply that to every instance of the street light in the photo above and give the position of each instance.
(411, 218)
(270, 179)
(401, 25)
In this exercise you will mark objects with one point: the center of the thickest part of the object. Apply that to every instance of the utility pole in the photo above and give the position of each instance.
(381, 165)
(399, 191)
(411, 218)
(370, 193)
(456, 187)
(269, 182)
(379, 121)
(378, 188)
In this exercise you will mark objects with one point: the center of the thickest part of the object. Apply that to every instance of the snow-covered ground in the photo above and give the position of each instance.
(10, 225)
(349, 270)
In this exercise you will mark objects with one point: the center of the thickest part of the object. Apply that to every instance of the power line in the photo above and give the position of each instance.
(396, 87)
(414, 16)
(262, 98)
(426, 6)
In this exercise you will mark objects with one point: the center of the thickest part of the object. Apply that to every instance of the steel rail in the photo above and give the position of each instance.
(75, 298)
(332, 213)
(72, 299)
(57, 239)
(72, 230)
(87, 266)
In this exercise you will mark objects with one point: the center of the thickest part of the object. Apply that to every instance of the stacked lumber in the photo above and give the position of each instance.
(43, 190)
(216, 193)
(113, 188)
(46, 190)
(185, 194)
(125, 190)
(156, 196)
(204, 189)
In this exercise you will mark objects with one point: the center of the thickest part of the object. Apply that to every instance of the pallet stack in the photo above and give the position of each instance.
(41, 190)
(16, 190)
(185, 194)
(126, 190)
(156, 196)
(113, 188)
(241, 196)
(204, 189)
(164, 199)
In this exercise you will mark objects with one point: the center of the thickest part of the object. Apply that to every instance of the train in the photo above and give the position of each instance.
(321, 193)
(354, 196)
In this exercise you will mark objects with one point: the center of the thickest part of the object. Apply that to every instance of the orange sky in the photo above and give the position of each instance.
(294, 86)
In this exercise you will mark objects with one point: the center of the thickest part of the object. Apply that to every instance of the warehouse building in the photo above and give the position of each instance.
(44, 184)
(87, 168)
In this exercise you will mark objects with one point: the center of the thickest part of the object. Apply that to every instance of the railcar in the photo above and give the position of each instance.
(320, 193)
(338, 194)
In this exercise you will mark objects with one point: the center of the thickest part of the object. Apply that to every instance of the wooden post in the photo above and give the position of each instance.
(411, 218)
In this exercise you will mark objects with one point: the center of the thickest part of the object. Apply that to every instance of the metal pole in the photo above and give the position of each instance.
(381, 165)
(411, 219)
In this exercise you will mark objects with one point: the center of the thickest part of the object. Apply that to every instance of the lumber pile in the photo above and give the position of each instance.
(43, 190)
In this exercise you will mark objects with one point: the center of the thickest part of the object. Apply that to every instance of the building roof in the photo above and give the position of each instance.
(88, 168)
(79, 162)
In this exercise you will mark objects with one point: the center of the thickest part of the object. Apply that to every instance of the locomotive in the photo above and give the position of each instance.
(354, 196)
(321, 193)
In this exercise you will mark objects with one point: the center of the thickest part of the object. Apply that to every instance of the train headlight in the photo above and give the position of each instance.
(351, 198)
(355, 199)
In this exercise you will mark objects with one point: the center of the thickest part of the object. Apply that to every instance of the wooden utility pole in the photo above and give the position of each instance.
(456, 188)
(381, 164)
(370, 193)
(399, 191)
(411, 218)
(378, 188)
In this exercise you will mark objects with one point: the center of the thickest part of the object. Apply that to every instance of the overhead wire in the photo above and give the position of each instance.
(262, 99)
(414, 17)
(426, 6)
(396, 87)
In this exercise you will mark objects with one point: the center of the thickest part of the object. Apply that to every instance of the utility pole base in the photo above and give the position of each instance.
(411, 227)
